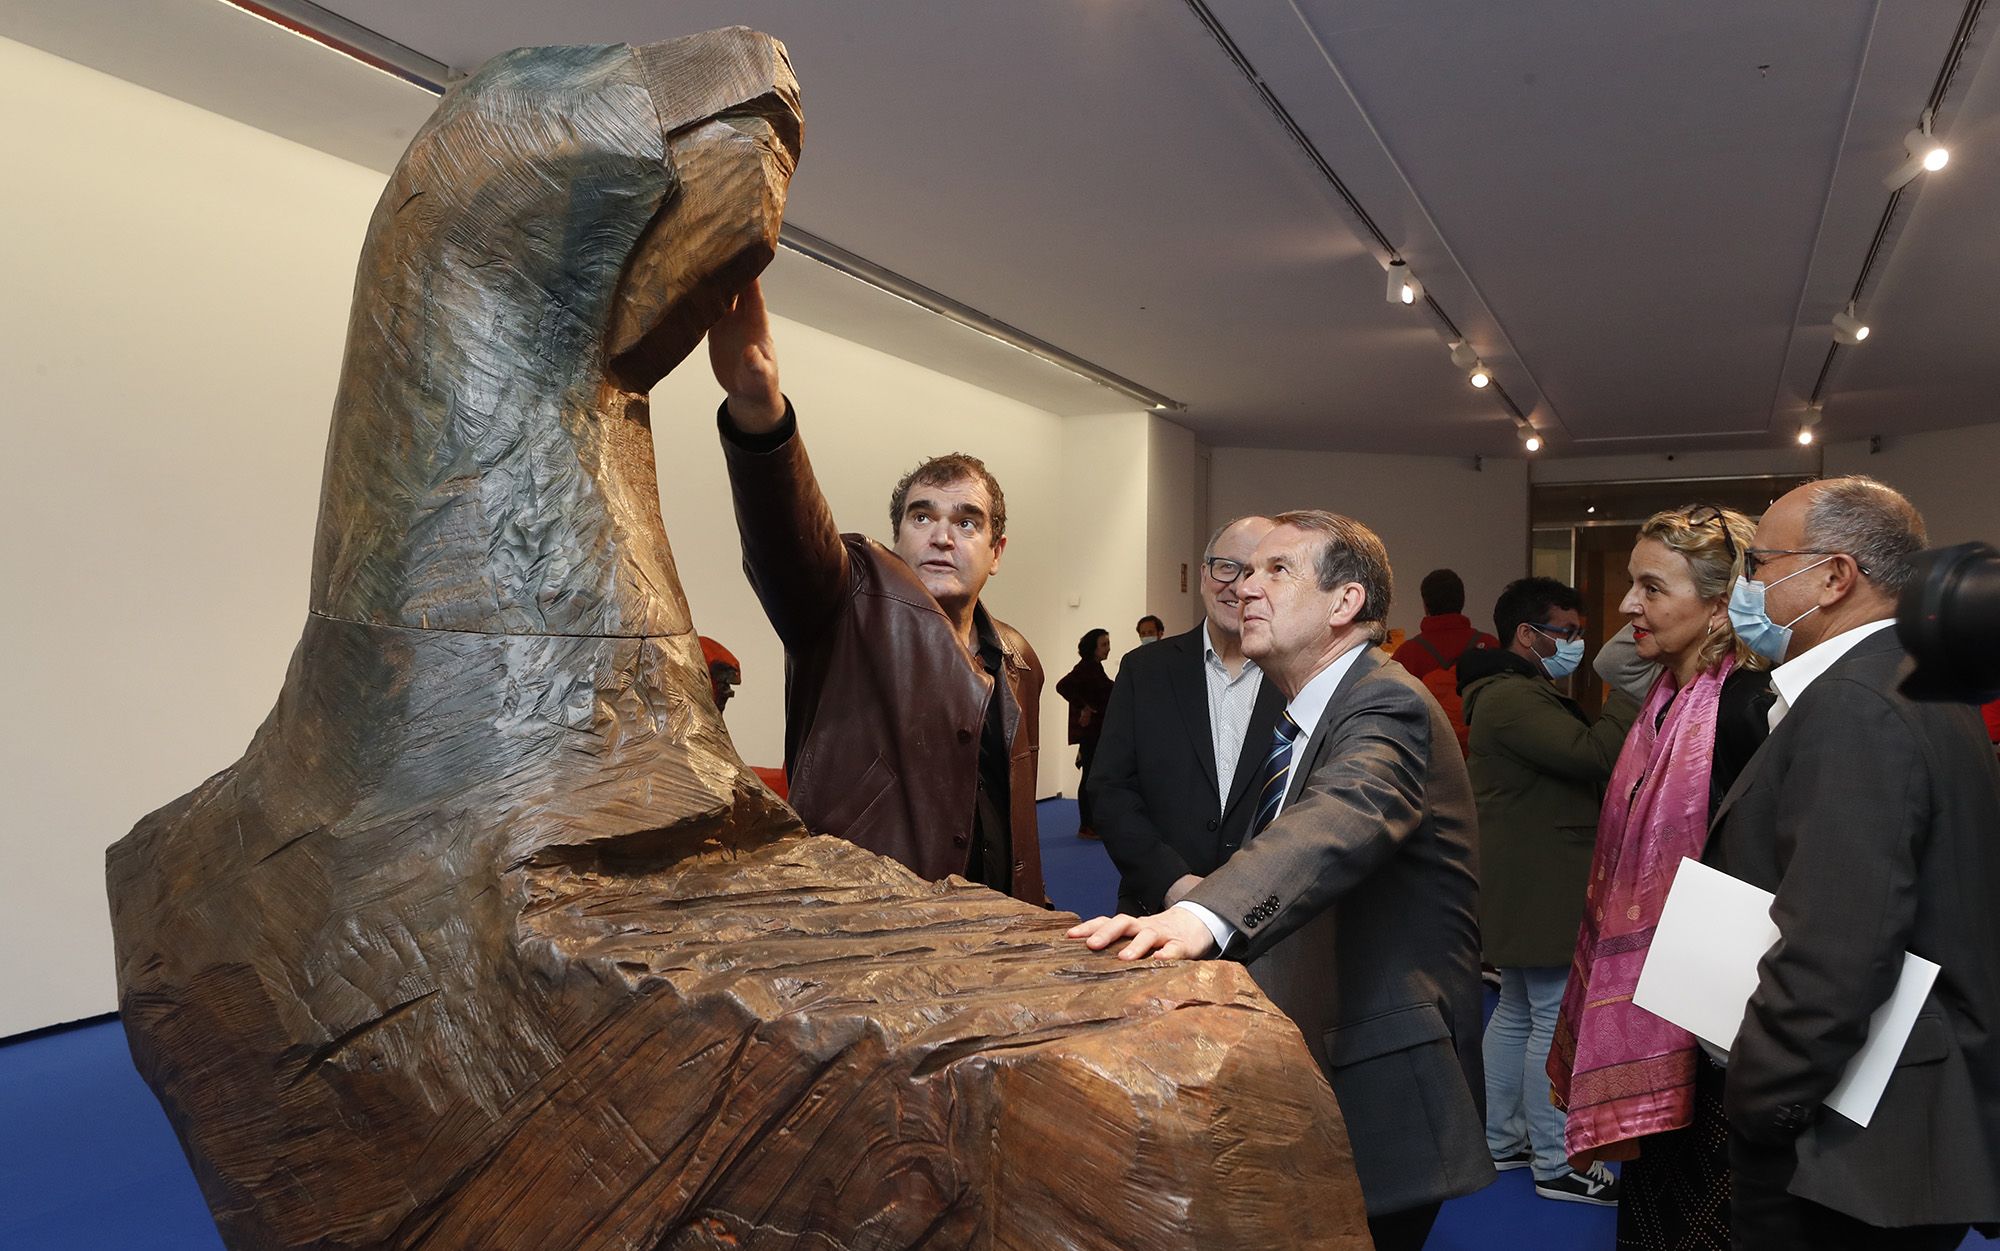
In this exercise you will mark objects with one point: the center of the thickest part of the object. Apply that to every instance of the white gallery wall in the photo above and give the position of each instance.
(1952, 476)
(176, 304)
(177, 293)
(1176, 506)
(1430, 511)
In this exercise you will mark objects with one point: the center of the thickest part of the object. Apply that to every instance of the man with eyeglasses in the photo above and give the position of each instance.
(1189, 721)
(1538, 768)
(1876, 822)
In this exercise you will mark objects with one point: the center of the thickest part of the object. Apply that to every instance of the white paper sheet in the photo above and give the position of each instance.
(1702, 969)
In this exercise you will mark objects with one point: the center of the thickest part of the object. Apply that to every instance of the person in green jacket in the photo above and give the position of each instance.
(1538, 771)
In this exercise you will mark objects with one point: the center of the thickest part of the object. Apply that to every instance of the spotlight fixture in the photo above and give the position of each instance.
(1849, 328)
(1403, 285)
(1530, 439)
(1809, 426)
(1481, 376)
(1925, 153)
(1462, 354)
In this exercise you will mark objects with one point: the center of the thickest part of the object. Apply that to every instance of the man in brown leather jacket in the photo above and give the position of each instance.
(911, 715)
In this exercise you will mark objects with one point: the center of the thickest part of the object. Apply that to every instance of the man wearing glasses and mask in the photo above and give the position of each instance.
(1873, 820)
(1188, 726)
(1538, 768)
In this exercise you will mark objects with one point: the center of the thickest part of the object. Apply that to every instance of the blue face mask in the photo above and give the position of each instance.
(1753, 624)
(1569, 654)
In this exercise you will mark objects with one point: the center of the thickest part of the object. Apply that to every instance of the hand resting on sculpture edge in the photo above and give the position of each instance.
(1175, 934)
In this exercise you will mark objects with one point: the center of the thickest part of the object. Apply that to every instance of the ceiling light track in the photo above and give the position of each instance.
(378, 51)
(353, 41)
(1878, 246)
(861, 269)
(1392, 257)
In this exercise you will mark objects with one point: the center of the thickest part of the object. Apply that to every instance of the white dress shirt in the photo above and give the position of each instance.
(1230, 703)
(1305, 710)
(1793, 677)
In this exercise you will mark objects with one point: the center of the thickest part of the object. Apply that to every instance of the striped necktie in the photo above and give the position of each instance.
(1277, 772)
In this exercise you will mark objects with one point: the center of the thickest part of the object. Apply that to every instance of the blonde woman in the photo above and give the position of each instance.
(1635, 1087)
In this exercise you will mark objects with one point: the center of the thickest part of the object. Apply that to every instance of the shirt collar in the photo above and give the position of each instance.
(1795, 675)
(1310, 703)
(991, 647)
(1212, 657)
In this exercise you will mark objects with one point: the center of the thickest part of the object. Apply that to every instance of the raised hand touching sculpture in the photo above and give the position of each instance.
(491, 941)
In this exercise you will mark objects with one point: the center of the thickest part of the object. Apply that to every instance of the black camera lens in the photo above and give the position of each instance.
(1948, 619)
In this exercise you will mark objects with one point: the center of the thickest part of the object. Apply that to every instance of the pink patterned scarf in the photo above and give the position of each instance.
(1621, 1071)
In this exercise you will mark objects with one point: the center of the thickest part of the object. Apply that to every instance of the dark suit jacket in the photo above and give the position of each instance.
(1156, 802)
(884, 707)
(1357, 910)
(1876, 821)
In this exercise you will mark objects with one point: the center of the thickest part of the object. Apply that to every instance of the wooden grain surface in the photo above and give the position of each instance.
(490, 941)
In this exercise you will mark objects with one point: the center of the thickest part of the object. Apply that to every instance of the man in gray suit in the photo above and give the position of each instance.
(1355, 901)
(1876, 821)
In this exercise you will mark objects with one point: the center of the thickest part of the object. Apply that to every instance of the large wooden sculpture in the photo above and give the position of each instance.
(490, 941)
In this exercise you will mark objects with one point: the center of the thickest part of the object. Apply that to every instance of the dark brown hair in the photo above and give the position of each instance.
(943, 471)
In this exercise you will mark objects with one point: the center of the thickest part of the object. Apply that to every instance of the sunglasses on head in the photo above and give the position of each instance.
(1706, 513)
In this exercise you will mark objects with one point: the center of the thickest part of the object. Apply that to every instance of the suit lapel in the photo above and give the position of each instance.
(1874, 645)
(1304, 762)
(1190, 686)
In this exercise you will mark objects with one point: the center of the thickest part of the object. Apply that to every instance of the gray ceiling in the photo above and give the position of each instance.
(1641, 215)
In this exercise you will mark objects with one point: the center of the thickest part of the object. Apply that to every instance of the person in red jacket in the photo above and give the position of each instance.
(725, 674)
(1445, 635)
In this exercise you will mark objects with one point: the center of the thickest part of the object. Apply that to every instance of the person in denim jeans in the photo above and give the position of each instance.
(1538, 769)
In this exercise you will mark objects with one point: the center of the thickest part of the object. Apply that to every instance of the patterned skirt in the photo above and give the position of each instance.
(1675, 1195)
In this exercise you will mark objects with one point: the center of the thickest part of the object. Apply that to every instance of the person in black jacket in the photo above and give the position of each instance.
(1185, 735)
(1873, 819)
(1087, 690)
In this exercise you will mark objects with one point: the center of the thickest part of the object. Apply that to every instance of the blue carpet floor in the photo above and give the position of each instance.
(88, 1163)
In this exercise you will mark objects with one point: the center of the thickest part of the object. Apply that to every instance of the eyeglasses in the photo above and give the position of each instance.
(1561, 634)
(1755, 558)
(1224, 570)
(1709, 512)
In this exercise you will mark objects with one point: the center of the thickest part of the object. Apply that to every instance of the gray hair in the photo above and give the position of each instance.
(1351, 553)
(1872, 523)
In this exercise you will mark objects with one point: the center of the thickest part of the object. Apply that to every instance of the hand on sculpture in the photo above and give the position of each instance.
(1175, 934)
(1182, 885)
(745, 360)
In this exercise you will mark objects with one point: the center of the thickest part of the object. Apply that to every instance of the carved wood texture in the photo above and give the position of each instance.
(490, 941)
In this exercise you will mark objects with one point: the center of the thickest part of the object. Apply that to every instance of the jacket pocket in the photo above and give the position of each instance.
(1929, 1041)
(855, 801)
(1378, 1035)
